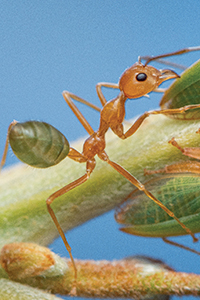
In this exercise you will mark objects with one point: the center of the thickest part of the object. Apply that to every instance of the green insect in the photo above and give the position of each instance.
(178, 189)
(40, 145)
(179, 192)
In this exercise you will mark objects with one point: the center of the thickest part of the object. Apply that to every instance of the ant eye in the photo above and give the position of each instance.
(141, 77)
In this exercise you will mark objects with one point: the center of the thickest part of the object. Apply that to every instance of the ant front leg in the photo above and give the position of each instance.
(90, 165)
(69, 97)
(166, 112)
(106, 85)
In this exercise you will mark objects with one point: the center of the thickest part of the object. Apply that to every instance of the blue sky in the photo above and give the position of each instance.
(50, 46)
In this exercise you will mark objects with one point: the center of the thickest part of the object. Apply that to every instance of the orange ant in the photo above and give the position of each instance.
(137, 81)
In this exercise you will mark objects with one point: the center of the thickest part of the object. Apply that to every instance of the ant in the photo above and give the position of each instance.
(136, 81)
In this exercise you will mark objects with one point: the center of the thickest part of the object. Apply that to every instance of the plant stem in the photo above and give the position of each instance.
(23, 190)
(127, 278)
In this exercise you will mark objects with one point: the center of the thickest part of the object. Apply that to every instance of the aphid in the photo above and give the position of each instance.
(136, 81)
(179, 192)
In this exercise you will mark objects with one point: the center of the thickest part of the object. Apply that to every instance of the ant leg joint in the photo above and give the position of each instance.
(49, 201)
(141, 187)
(123, 137)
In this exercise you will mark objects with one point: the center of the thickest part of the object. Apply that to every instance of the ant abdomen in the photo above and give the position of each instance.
(38, 144)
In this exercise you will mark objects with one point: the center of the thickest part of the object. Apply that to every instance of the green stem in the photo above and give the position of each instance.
(23, 189)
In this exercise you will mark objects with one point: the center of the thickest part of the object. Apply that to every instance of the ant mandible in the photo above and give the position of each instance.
(137, 81)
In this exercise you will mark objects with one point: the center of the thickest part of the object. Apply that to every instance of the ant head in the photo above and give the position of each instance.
(139, 80)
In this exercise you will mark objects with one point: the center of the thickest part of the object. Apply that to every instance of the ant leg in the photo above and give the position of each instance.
(106, 85)
(99, 93)
(69, 96)
(81, 100)
(76, 111)
(90, 165)
(141, 187)
(3, 160)
(180, 246)
(140, 120)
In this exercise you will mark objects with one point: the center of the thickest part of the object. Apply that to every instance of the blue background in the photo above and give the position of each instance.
(50, 46)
